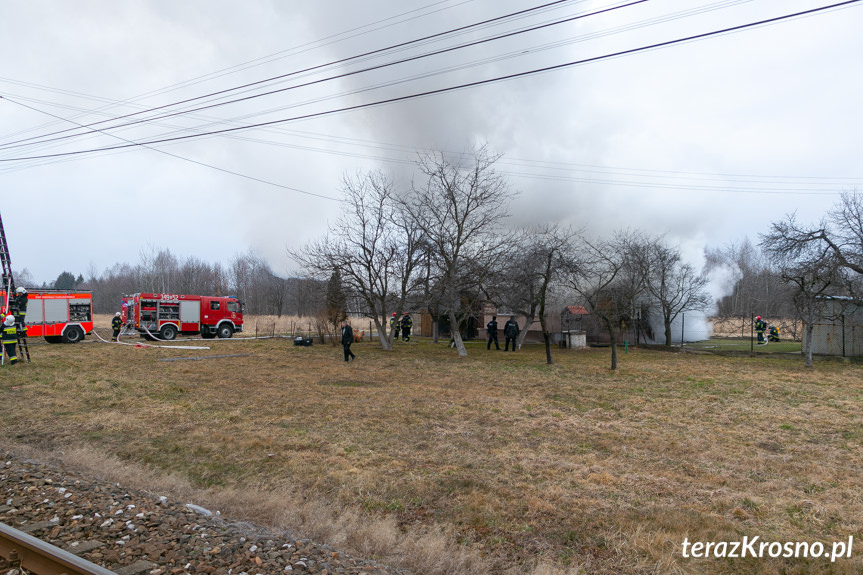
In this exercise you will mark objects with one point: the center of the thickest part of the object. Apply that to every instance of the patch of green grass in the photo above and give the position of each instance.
(745, 345)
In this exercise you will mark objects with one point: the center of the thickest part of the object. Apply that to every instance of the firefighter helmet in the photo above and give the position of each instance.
(10, 320)
(758, 317)
(20, 290)
(117, 314)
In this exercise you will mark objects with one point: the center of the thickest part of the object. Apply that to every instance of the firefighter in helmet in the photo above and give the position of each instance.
(395, 324)
(18, 306)
(116, 325)
(760, 328)
(774, 334)
(9, 338)
(407, 323)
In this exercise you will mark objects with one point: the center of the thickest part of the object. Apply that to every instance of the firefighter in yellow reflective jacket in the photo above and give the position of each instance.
(760, 328)
(9, 338)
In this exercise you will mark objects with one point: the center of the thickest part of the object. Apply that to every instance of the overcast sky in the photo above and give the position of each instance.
(707, 141)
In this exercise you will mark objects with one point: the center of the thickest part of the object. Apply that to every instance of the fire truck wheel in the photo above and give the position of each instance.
(168, 332)
(73, 334)
(225, 330)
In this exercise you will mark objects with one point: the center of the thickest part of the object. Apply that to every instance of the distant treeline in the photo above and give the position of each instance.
(246, 276)
(755, 286)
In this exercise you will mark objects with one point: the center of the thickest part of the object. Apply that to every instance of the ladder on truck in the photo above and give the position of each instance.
(9, 284)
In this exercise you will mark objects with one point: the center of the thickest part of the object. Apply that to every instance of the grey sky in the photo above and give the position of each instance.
(706, 141)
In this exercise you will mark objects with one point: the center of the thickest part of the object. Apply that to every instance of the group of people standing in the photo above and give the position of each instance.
(510, 332)
(404, 325)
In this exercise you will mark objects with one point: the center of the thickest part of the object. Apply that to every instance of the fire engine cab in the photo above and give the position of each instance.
(58, 315)
(165, 315)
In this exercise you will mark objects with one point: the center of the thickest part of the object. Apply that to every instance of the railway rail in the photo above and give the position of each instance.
(21, 551)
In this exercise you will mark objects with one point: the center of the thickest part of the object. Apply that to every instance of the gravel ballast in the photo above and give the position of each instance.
(134, 532)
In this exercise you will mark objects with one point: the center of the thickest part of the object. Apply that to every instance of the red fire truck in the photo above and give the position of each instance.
(165, 315)
(58, 315)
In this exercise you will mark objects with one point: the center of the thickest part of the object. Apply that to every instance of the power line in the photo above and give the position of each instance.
(649, 178)
(460, 67)
(665, 18)
(185, 159)
(307, 70)
(467, 85)
(258, 61)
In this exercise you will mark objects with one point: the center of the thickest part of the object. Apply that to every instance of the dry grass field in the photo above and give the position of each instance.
(494, 463)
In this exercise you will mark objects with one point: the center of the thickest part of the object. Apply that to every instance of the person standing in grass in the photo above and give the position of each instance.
(347, 340)
(396, 325)
(510, 332)
(116, 325)
(407, 324)
(9, 338)
(760, 326)
(491, 328)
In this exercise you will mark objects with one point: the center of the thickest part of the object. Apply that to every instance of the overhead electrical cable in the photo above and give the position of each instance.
(258, 61)
(665, 18)
(437, 52)
(463, 86)
(185, 159)
(187, 112)
(316, 67)
(806, 187)
(565, 171)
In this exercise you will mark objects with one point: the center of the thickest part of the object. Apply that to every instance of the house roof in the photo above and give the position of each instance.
(576, 310)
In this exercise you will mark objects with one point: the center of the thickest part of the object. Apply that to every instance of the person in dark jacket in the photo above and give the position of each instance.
(116, 325)
(18, 306)
(395, 324)
(347, 340)
(760, 327)
(774, 334)
(491, 328)
(407, 324)
(510, 332)
(9, 338)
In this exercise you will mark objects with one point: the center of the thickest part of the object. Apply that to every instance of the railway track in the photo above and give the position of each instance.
(28, 554)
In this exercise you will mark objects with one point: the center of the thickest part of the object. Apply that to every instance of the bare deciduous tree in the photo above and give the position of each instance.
(608, 283)
(460, 210)
(543, 254)
(373, 247)
(840, 233)
(814, 270)
(757, 288)
(673, 287)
